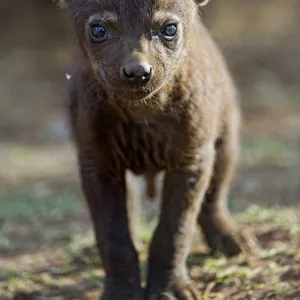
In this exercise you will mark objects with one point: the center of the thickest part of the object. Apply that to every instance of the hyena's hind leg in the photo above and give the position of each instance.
(133, 205)
(220, 231)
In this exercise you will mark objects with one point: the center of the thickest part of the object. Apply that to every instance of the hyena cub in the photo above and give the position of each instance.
(149, 92)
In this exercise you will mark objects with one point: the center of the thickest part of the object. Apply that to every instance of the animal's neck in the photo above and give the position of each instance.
(143, 109)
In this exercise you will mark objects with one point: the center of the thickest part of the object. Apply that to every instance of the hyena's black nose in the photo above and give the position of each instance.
(138, 72)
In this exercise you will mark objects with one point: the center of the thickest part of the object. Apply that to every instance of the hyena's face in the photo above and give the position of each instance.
(133, 47)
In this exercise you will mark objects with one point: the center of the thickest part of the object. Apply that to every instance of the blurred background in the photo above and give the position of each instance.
(40, 201)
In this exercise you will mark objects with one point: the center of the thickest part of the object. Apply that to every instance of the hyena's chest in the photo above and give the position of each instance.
(141, 148)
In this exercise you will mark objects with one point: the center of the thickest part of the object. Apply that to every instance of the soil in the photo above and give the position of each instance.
(58, 273)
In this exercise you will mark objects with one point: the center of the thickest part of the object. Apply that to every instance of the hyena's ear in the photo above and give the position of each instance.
(61, 3)
(202, 3)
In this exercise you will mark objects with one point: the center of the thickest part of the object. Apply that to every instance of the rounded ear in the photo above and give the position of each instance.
(202, 3)
(61, 3)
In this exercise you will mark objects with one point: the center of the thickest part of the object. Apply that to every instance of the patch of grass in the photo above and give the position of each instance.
(80, 242)
(82, 249)
(297, 256)
(212, 264)
(270, 253)
(275, 267)
(6, 244)
(257, 286)
(145, 231)
(13, 274)
(231, 204)
(276, 286)
(30, 203)
(232, 273)
(67, 269)
(264, 151)
(258, 213)
(17, 283)
(282, 216)
(224, 274)
(94, 277)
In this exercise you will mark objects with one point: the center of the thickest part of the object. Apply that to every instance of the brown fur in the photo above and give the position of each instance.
(185, 121)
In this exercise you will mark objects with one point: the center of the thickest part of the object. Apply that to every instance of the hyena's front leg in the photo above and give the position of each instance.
(106, 199)
(184, 189)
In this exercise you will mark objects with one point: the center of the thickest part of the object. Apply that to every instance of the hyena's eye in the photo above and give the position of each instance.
(98, 33)
(169, 31)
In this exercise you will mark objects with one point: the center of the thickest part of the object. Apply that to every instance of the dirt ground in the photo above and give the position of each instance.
(75, 272)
